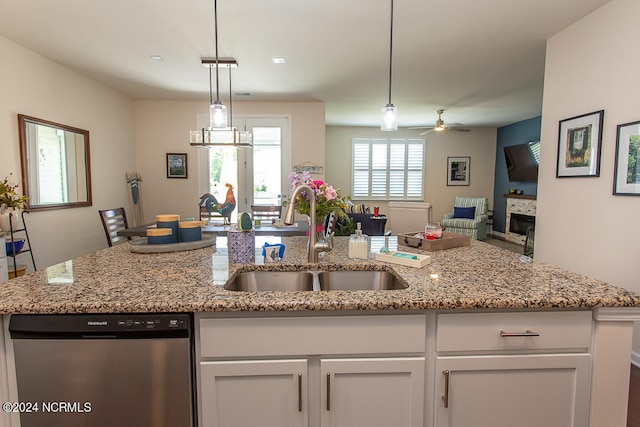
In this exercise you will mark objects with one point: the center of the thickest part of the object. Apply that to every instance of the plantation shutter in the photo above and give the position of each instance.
(387, 168)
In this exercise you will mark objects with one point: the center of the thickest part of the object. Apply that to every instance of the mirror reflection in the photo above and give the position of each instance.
(56, 171)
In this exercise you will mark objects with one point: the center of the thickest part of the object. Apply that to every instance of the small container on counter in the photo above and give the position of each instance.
(241, 246)
(359, 244)
(190, 231)
(432, 231)
(159, 236)
(170, 221)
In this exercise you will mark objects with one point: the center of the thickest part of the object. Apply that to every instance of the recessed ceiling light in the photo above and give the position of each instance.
(278, 60)
(157, 57)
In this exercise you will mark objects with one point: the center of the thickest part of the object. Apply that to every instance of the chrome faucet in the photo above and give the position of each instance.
(314, 246)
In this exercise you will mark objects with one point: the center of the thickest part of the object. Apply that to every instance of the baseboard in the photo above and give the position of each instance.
(635, 359)
(498, 235)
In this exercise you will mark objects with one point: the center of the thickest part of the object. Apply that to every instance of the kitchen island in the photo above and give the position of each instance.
(471, 313)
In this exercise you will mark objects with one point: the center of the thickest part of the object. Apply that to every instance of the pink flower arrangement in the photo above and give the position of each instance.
(328, 199)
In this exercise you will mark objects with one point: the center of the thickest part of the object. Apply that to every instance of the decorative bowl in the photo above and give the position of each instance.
(15, 246)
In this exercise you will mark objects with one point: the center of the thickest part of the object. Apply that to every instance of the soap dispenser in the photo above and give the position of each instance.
(359, 244)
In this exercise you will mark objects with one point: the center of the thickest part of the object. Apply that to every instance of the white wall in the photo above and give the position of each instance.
(163, 127)
(479, 144)
(581, 226)
(33, 85)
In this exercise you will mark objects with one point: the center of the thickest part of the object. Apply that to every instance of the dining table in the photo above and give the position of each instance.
(299, 228)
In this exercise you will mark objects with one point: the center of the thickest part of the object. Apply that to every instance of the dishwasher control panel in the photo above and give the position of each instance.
(153, 325)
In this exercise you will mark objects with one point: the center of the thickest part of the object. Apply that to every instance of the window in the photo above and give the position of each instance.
(388, 169)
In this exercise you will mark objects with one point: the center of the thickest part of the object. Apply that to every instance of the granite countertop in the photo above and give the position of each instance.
(115, 280)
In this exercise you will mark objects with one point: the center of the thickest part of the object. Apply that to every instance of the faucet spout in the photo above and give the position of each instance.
(313, 247)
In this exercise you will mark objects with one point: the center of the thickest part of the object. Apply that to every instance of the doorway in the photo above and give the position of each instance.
(258, 175)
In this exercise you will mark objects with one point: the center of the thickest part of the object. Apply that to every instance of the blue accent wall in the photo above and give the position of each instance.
(516, 133)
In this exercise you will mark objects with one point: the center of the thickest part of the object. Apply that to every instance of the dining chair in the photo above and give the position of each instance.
(266, 212)
(114, 220)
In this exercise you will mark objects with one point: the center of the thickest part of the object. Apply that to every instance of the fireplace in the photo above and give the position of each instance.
(519, 223)
(521, 214)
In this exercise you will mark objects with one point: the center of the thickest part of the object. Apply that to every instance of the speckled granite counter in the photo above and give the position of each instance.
(478, 276)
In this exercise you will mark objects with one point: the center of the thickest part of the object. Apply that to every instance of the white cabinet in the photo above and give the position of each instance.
(513, 369)
(352, 393)
(324, 371)
(254, 393)
(507, 391)
(372, 392)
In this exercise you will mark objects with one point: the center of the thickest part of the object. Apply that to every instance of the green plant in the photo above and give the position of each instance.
(10, 197)
(345, 227)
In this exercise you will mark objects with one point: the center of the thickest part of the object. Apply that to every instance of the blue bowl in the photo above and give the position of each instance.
(15, 246)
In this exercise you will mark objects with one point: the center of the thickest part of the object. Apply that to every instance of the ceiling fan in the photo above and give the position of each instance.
(440, 126)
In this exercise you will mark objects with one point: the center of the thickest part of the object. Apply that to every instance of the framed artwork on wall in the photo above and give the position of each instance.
(579, 145)
(626, 180)
(176, 165)
(458, 170)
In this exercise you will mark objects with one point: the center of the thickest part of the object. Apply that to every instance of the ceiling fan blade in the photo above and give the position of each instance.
(459, 129)
(420, 127)
(426, 132)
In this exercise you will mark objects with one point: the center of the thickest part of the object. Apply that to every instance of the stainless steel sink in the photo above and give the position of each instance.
(364, 280)
(312, 280)
(256, 281)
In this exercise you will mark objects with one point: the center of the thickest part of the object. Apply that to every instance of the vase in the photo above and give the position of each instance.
(320, 230)
(10, 214)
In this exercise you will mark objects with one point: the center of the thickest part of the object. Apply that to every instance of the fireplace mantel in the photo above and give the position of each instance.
(521, 196)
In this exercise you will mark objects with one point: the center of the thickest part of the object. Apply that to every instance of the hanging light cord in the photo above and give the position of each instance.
(230, 100)
(215, 16)
(390, 52)
(210, 88)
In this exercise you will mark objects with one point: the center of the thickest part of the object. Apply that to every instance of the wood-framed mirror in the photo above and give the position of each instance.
(56, 167)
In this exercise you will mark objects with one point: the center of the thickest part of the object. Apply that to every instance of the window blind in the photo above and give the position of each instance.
(387, 168)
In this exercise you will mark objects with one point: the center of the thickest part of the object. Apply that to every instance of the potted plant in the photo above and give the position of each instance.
(10, 202)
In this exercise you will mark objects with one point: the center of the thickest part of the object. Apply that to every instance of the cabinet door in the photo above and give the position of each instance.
(372, 392)
(271, 393)
(507, 391)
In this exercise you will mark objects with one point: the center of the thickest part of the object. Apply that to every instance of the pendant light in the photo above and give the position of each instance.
(219, 133)
(389, 111)
(217, 110)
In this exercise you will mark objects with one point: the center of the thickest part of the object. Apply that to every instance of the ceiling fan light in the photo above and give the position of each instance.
(217, 115)
(389, 118)
(439, 128)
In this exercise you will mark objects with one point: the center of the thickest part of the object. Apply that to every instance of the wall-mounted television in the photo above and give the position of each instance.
(522, 161)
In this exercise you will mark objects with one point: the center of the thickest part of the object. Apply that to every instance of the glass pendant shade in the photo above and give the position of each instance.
(389, 118)
(217, 115)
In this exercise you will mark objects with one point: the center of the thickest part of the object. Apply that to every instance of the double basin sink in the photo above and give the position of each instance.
(315, 280)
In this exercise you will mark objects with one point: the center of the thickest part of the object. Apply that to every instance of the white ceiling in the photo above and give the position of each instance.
(481, 60)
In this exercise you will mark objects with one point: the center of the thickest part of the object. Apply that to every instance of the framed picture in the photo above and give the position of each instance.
(176, 165)
(579, 145)
(458, 170)
(626, 179)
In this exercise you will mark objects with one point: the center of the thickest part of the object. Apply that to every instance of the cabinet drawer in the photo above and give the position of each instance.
(279, 336)
(513, 331)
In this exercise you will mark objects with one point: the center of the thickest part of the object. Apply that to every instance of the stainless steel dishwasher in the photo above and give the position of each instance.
(103, 370)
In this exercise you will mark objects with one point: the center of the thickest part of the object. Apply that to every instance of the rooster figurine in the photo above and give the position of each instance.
(211, 204)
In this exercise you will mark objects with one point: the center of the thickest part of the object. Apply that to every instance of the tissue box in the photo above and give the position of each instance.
(241, 246)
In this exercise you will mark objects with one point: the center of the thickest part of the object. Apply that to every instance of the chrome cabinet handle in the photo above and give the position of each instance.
(527, 333)
(445, 397)
(328, 391)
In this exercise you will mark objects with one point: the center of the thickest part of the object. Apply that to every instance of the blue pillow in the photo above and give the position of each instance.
(469, 213)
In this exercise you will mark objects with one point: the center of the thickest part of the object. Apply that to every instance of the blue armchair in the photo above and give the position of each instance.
(469, 217)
